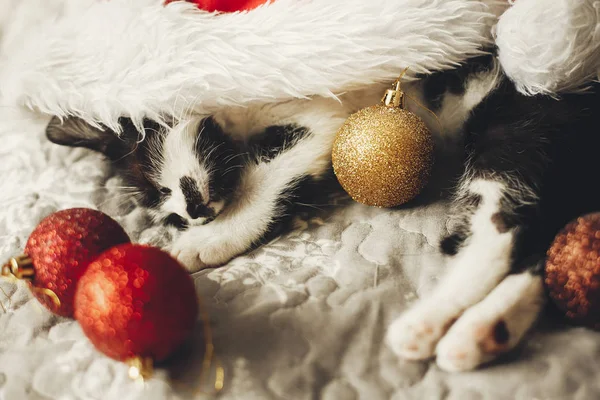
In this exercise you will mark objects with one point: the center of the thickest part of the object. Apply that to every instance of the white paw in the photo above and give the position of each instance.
(472, 341)
(415, 334)
(456, 354)
(186, 252)
(203, 246)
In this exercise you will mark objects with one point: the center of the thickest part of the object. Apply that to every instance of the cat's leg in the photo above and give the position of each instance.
(478, 310)
(269, 186)
(483, 257)
(497, 199)
(496, 324)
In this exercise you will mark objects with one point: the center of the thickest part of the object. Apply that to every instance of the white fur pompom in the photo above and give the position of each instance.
(550, 46)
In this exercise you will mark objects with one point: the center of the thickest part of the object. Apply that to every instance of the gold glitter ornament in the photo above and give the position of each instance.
(383, 154)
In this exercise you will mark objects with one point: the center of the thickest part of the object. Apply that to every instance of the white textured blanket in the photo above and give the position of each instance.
(302, 317)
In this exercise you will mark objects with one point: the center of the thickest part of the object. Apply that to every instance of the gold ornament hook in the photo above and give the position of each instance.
(20, 267)
(140, 368)
(209, 354)
(395, 97)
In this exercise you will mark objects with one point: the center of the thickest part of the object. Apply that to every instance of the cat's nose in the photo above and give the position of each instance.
(199, 210)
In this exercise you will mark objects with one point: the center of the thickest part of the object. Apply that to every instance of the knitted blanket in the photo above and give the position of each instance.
(303, 316)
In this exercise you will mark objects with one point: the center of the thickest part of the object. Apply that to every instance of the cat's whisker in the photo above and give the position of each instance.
(129, 196)
(234, 156)
(213, 150)
(121, 187)
(234, 167)
(120, 202)
(199, 136)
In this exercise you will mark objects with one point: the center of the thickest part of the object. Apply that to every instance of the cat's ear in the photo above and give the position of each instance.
(75, 132)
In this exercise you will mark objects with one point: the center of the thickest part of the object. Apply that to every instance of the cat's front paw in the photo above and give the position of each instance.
(202, 247)
(414, 335)
(186, 252)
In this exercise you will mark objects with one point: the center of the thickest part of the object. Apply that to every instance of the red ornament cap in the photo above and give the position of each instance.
(62, 246)
(136, 301)
(224, 5)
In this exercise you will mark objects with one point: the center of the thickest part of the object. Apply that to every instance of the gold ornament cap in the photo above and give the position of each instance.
(20, 267)
(140, 368)
(383, 154)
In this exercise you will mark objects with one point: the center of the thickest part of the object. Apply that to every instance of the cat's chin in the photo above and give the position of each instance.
(175, 221)
(201, 221)
(183, 224)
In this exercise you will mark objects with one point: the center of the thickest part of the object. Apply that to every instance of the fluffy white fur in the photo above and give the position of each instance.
(550, 46)
(102, 59)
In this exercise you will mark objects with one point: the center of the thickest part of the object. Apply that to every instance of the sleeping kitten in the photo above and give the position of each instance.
(233, 178)
(184, 178)
(230, 180)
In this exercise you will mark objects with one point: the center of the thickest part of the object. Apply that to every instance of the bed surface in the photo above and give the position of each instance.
(302, 317)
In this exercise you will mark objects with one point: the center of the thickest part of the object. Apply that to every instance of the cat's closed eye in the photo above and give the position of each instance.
(165, 190)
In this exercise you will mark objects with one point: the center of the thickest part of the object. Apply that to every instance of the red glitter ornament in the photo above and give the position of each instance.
(136, 302)
(58, 252)
(225, 5)
(573, 271)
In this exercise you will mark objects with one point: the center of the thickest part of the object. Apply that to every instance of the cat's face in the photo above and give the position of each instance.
(184, 175)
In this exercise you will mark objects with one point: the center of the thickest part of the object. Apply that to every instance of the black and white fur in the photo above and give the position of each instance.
(529, 169)
(185, 175)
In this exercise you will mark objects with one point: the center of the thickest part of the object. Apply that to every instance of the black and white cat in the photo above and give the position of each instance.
(531, 165)
(229, 180)
(232, 179)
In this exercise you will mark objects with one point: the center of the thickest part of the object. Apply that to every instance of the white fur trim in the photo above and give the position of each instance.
(550, 46)
(141, 59)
